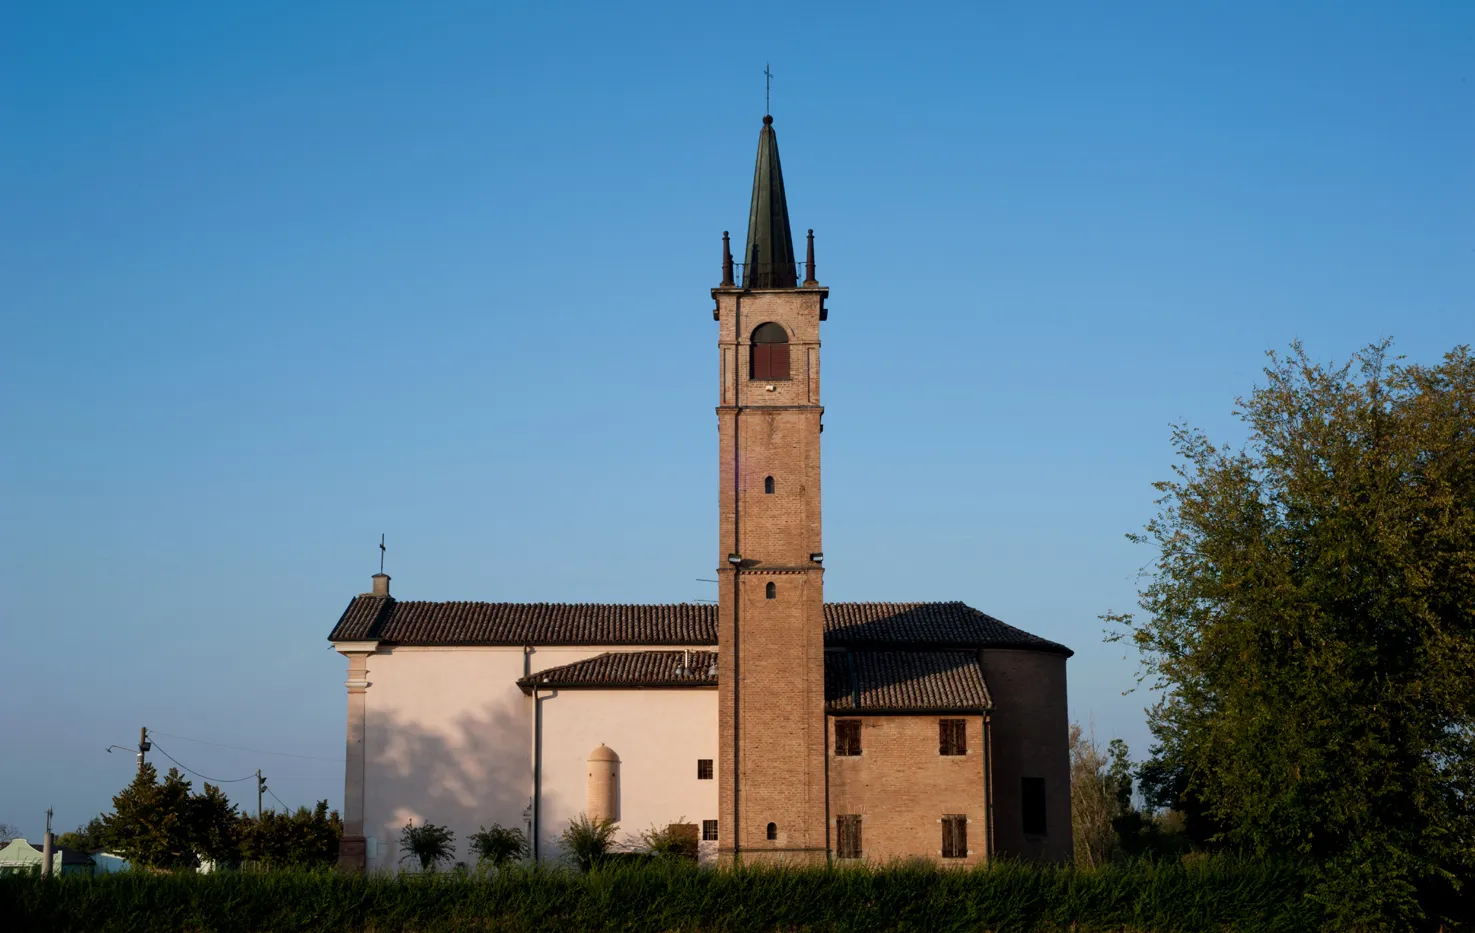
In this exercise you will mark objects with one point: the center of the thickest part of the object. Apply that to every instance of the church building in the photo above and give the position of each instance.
(771, 726)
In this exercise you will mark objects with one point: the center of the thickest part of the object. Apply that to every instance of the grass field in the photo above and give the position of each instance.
(1214, 894)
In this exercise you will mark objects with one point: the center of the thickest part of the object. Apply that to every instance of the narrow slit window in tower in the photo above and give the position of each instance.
(1032, 797)
(770, 353)
(770, 591)
(768, 485)
(772, 830)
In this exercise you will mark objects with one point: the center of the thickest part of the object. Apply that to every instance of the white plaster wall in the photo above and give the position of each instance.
(448, 739)
(658, 734)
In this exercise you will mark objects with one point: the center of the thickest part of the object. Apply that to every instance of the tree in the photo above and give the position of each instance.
(84, 838)
(1093, 801)
(215, 827)
(7, 833)
(152, 824)
(1310, 618)
(429, 843)
(498, 845)
(305, 839)
(589, 841)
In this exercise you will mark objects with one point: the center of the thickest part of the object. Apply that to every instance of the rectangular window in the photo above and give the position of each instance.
(848, 826)
(952, 736)
(1032, 801)
(955, 836)
(704, 769)
(847, 737)
(709, 830)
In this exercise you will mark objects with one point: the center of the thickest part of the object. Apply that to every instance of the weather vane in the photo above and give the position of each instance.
(381, 553)
(767, 88)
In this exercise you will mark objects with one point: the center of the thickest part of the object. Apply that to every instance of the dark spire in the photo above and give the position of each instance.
(770, 252)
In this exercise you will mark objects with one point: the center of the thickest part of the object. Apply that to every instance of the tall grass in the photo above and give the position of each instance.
(1212, 895)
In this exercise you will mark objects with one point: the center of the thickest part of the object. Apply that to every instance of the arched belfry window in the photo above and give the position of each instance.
(770, 591)
(770, 353)
(768, 485)
(772, 827)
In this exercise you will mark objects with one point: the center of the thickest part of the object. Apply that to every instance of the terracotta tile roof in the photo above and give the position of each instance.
(914, 681)
(951, 624)
(631, 669)
(858, 681)
(402, 622)
(914, 625)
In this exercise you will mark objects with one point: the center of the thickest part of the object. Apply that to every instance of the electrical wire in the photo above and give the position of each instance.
(285, 809)
(160, 749)
(241, 748)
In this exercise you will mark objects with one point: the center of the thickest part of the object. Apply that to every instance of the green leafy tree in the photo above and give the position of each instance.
(499, 845)
(304, 839)
(87, 838)
(428, 843)
(215, 827)
(589, 842)
(1310, 619)
(152, 824)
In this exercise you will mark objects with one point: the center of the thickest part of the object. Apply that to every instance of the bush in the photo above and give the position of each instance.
(588, 841)
(430, 843)
(499, 845)
(676, 841)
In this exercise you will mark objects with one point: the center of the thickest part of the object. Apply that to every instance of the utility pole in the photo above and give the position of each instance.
(260, 786)
(143, 745)
(46, 847)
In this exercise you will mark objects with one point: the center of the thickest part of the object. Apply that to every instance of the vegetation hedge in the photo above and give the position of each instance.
(1214, 894)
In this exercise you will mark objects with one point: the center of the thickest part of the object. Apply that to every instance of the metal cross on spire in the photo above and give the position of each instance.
(381, 553)
(767, 89)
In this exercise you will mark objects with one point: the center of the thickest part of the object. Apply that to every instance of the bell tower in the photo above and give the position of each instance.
(771, 575)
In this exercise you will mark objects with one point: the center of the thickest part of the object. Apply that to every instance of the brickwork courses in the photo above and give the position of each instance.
(770, 649)
(901, 787)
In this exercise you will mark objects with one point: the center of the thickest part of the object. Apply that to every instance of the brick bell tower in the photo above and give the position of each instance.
(772, 793)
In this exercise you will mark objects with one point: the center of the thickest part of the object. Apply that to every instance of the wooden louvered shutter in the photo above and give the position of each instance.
(778, 361)
(760, 361)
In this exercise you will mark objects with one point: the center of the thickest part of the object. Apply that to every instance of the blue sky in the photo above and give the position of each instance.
(281, 277)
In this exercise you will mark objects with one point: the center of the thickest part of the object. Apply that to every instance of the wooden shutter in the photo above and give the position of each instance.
(760, 360)
(778, 361)
(847, 737)
(955, 836)
(849, 833)
(952, 738)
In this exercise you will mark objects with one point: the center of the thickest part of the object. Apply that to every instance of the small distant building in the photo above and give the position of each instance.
(21, 856)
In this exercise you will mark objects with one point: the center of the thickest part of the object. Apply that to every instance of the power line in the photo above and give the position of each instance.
(160, 749)
(254, 751)
(285, 809)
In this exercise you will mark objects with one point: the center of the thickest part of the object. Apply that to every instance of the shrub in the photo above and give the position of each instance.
(499, 845)
(675, 841)
(588, 841)
(428, 842)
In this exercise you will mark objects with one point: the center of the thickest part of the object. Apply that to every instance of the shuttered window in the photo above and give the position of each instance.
(847, 737)
(848, 836)
(955, 836)
(1032, 800)
(704, 769)
(770, 359)
(952, 737)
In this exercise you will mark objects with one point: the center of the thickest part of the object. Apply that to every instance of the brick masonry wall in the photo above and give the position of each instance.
(901, 787)
(1029, 733)
(770, 651)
